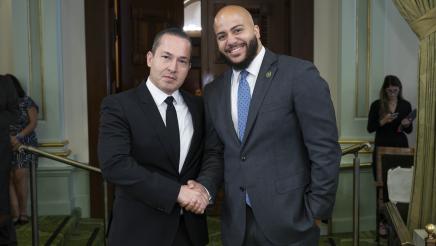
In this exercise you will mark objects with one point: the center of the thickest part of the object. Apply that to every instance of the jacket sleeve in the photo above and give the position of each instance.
(317, 121)
(120, 168)
(211, 174)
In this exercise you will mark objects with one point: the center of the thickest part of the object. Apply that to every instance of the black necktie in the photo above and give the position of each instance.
(172, 126)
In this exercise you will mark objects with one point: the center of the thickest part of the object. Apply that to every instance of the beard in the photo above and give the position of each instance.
(251, 54)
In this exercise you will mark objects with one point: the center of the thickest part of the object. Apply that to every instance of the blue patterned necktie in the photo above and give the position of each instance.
(244, 98)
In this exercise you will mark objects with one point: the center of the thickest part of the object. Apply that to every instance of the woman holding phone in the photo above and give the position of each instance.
(390, 118)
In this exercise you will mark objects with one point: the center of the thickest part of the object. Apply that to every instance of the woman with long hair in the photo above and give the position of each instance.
(22, 133)
(389, 118)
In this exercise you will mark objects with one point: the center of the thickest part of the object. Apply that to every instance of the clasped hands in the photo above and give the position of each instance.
(193, 197)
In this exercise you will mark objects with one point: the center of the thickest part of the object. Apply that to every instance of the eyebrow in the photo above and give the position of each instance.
(170, 54)
(231, 29)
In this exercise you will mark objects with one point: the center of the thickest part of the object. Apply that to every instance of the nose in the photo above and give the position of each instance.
(231, 39)
(172, 66)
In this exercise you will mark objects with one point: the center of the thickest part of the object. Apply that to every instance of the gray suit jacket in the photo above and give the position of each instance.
(288, 161)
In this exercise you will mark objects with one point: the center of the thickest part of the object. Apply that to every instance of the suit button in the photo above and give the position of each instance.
(242, 189)
(243, 158)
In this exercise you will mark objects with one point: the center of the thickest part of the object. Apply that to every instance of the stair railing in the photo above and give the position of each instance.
(33, 187)
(354, 149)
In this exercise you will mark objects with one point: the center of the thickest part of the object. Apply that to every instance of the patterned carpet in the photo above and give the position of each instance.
(77, 232)
(339, 239)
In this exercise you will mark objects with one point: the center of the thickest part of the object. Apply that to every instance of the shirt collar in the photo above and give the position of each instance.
(254, 66)
(159, 96)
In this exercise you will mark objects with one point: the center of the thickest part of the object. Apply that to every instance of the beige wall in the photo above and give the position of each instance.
(6, 36)
(326, 43)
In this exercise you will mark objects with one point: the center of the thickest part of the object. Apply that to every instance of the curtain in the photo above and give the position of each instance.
(421, 17)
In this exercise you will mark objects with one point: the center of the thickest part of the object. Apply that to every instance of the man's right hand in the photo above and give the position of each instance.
(195, 200)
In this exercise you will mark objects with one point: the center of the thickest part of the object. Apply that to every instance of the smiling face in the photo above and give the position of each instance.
(170, 63)
(237, 37)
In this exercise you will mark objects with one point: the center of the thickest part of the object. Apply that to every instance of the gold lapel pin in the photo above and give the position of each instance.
(268, 74)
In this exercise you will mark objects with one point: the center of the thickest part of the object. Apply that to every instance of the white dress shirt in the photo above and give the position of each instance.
(184, 118)
(253, 71)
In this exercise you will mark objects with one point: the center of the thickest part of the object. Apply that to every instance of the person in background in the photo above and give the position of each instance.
(389, 117)
(22, 133)
(8, 115)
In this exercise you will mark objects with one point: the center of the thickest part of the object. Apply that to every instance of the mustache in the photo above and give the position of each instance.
(231, 46)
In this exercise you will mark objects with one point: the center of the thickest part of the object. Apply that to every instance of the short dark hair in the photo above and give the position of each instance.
(175, 31)
(17, 85)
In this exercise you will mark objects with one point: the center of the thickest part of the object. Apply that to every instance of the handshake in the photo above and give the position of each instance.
(193, 197)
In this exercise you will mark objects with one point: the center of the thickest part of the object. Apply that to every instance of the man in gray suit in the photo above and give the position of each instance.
(8, 115)
(271, 133)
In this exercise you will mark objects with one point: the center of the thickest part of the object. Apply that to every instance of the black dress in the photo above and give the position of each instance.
(390, 134)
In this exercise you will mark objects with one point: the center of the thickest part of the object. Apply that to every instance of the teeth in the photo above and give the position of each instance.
(235, 50)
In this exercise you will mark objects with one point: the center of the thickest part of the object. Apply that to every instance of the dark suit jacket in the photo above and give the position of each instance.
(288, 161)
(136, 156)
(8, 115)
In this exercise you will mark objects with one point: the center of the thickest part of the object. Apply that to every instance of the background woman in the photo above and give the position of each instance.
(22, 133)
(389, 117)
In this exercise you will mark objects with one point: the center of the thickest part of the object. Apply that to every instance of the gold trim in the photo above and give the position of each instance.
(30, 55)
(368, 54)
(356, 65)
(61, 153)
(347, 166)
(354, 141)
(29, 46)
(41, 64)
(368, 61)
(53, 144)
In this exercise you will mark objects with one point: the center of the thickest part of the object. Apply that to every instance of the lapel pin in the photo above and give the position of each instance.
(268, 74)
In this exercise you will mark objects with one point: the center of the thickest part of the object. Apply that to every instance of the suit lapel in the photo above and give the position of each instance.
(227, 83)
(196, 124)
(152, 114)
(263, 82)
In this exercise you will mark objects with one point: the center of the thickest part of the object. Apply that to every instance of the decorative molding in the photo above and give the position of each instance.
(367, 72)
(354, 141)
(34, 32)
(349, 166)
(53, 144)
(56, 148)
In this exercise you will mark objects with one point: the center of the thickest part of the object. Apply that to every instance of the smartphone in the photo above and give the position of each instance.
(394, 115)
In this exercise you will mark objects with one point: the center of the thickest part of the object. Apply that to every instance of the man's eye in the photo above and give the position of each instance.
(220, 38)
(166, 57)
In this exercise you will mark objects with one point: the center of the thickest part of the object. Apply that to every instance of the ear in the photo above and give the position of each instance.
(257, 31)
(149, 58)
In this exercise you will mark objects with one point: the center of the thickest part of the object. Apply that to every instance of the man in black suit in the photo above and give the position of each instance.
(8, 115)
(150, 145)
(271, 129)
